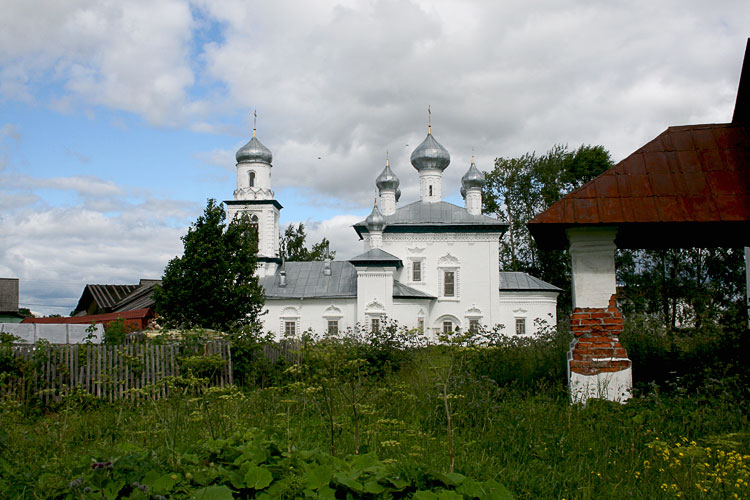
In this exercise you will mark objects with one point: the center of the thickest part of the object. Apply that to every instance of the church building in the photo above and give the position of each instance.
(428, 264)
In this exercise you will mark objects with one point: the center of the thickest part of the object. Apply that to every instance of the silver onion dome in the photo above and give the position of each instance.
(463, 192)
(254, 152)
(398, 194)
(430, 155)
(473, 178)
(387, 179)
(375, 221)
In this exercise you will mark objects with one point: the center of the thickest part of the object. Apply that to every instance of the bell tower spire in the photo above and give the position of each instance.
(255, 198)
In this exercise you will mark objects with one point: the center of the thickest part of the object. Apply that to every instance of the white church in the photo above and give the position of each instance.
(429, 264)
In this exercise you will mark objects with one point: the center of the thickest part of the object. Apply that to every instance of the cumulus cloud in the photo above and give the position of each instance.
(132, 56)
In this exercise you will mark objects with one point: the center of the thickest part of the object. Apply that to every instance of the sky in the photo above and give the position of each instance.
(120, 118)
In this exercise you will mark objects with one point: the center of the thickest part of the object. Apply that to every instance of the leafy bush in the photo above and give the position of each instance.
(660, 355)
(524, 361)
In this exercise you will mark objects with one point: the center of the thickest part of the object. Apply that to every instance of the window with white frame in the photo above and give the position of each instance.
(447, 327)
(416, 270)
(449, 283)
(448, 277)
(375, 324)
(333, 327)
(474, 325)
(420, 324)
(520, 326)
(290, 328)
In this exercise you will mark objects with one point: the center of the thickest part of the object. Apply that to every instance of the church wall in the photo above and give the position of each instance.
(308, 314)
(531, 306)
(472, 257)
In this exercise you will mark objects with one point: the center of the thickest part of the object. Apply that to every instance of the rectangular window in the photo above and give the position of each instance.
(420, 324)
(375, 324)
(447, 327)
(333, 327)
(416, 271)
(474, 325)
(290, 328)
(520, 326)
(449, 284)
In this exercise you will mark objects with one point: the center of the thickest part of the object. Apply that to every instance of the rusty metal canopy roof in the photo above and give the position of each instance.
(688, 187)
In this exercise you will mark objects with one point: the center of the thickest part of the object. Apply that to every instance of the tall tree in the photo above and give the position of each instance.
(213, 284)
(292, 243)
(518, 189)
(683, 287)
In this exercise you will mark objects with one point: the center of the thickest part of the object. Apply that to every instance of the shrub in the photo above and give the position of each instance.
(525, 361)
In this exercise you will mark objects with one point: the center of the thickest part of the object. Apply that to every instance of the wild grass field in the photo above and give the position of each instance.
(369, 418)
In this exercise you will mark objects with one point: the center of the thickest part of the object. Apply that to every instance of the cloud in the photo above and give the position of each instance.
(56, 251)
(132, 56)
(344, 82)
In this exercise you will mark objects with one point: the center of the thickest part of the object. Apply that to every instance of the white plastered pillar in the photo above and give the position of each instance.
(598, 365)
(592, 255)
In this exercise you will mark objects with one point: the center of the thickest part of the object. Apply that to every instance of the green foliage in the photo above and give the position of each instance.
(518, 189)
(292, 244)
(116, 332)
(213, 284)
(690, 355)
(684, 287)
(525, 361)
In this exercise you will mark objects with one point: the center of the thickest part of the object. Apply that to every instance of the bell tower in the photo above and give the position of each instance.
(255, 198)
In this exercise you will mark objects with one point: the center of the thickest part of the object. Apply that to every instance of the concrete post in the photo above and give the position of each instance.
(598, 366)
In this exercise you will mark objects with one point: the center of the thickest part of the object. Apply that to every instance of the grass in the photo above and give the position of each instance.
(525, 436)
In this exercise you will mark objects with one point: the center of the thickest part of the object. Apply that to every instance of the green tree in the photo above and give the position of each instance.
(683, 287)
(292, 243)
(213, 284)
(518, 189)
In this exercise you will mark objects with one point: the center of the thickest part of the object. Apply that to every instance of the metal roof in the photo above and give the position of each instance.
(104, 296)
(306, 280)
(376, 257)
(141, 298)
(439, 216)
(512, 281)
(402, 291)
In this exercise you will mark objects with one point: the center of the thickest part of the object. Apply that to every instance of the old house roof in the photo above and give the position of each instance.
(98, 298)
(689, 186)
(141, 316)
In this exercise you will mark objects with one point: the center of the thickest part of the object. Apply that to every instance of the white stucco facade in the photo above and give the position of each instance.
(430, 264)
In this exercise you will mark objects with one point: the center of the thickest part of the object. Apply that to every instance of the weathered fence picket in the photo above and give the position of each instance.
(107, 372)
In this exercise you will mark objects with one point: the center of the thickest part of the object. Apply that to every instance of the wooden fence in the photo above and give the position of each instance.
(108, 372)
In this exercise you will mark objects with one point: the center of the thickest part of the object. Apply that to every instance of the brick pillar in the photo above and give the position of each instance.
(598, 366)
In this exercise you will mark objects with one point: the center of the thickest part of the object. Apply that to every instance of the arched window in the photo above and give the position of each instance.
(251, 178)
(254, 222)
(430, 190)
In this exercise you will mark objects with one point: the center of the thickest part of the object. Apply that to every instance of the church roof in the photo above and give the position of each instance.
(440, 216)
(306, 280)
(376, 257)
(512, 281)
